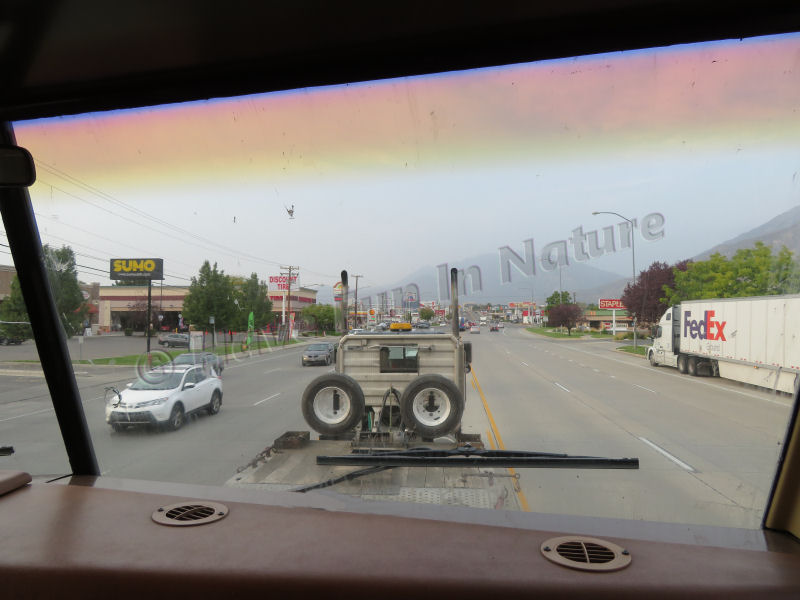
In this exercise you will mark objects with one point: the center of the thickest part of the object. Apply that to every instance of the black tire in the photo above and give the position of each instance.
(652, 359)
(432, 406)
(216, 402)
(682, 363)
(333, 403)
(176, 418)
(691, 366)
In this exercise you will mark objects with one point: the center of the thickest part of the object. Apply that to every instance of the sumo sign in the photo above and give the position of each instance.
(137, 268)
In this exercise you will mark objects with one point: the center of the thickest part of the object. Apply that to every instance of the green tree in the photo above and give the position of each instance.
(555, 299)
(211, 293)
(13, 309)
(750, 272)
(251, 296)
(426, 314)
(63, 277)
(321, 316)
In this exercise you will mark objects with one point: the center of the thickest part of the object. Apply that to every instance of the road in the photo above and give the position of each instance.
(707, 447)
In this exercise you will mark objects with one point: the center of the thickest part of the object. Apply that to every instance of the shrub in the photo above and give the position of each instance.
(128, 331)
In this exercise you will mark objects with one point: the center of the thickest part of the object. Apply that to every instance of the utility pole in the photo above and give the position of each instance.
(355, 302)
(288, 272)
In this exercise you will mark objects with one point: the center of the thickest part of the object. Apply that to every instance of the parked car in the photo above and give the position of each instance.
(174, 340)
(474, 329)
(321, 354)
(201, 358)
(5, 340)
(164, 397)
(494, 327)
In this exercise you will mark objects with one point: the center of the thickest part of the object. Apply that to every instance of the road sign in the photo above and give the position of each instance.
(611, 304)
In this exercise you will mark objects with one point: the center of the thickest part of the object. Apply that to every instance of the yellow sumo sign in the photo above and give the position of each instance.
(137, 268)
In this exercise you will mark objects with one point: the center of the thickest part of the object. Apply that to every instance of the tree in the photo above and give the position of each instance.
(644, 300)
(63, 278)
(557, 298)
(13, 309)
(320, 315)
(426, 314)
(251, 296)
(211, 293)
(750, 272)
(564, 315)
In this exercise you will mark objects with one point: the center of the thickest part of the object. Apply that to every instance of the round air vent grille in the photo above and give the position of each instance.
(585, 553)
(183, 514)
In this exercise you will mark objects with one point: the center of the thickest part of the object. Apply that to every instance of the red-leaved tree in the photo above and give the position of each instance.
(643, 300)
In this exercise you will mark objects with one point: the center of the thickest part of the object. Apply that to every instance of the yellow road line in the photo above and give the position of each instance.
(491, 439)
(523, 502)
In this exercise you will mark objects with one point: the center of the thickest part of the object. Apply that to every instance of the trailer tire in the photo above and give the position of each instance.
(652, 359)
(333, 403)
(682, 363)
(691, 366)
(432, 406)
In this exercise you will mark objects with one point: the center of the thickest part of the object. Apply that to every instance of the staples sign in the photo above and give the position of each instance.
(611, 304)
(137, 268)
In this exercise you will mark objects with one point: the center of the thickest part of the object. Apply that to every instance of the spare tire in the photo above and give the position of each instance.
(333, 403)
(432, 406)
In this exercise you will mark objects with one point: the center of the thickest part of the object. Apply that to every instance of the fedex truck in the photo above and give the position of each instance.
(751, 340)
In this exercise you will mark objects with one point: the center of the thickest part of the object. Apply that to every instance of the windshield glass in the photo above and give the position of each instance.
(156, 380)
(579, 199)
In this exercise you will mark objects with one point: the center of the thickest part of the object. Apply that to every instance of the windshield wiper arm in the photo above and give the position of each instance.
(467, 456)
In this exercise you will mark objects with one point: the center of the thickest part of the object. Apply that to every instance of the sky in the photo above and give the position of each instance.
(390, 176)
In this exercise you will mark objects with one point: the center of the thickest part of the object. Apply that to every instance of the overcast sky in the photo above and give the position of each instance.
(387, 177)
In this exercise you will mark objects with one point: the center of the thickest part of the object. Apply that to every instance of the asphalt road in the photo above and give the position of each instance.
(707, 447)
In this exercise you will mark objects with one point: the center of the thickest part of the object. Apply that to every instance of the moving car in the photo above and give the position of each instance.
(164, 397)
(494, 327)
(318, 354)
(474, 329)
(174, 340)
(201, 358)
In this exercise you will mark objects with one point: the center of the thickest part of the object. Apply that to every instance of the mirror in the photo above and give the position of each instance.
(16, 167)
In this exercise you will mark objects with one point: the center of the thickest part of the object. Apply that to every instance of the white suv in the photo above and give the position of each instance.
(165, 396)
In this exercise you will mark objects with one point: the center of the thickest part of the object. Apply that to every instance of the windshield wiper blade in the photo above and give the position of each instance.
(467, 456)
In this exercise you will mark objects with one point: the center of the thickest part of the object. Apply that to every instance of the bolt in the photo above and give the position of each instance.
(625, 552)
(546, 548)
(160, 510)
(222, 514)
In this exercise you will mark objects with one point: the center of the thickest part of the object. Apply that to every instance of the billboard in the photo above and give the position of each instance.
(136, 268)
(281, 282)
(611, 304)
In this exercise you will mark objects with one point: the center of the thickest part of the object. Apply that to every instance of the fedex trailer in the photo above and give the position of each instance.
(751, 340)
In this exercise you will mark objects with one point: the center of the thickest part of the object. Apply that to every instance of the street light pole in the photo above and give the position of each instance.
(633, 257)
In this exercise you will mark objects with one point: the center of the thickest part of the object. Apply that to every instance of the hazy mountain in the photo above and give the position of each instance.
(588, 283)
(783, 230)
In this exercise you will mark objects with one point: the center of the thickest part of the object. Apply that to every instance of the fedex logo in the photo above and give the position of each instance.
(706, 329)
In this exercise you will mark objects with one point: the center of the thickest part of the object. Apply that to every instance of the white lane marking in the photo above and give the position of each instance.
(524, 363)
(596, 370)
(644, 388)
(561, 386)
(273, 370)
(674, 459)
(26, 414)
(265, 399)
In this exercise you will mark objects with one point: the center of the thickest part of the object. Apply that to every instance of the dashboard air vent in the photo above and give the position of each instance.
(585, 553)
(190, 513)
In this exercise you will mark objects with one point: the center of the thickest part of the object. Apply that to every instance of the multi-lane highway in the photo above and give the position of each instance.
(707, 447)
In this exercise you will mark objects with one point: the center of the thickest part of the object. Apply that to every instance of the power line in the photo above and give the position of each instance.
(108, 197)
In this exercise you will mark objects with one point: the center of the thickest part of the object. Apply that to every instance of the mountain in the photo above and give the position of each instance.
(783, 230)
(588, 283)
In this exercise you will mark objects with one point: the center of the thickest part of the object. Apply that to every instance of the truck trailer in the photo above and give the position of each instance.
(750, 340)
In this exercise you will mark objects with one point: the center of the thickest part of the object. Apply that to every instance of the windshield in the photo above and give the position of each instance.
(579, 200)
(155, 380)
